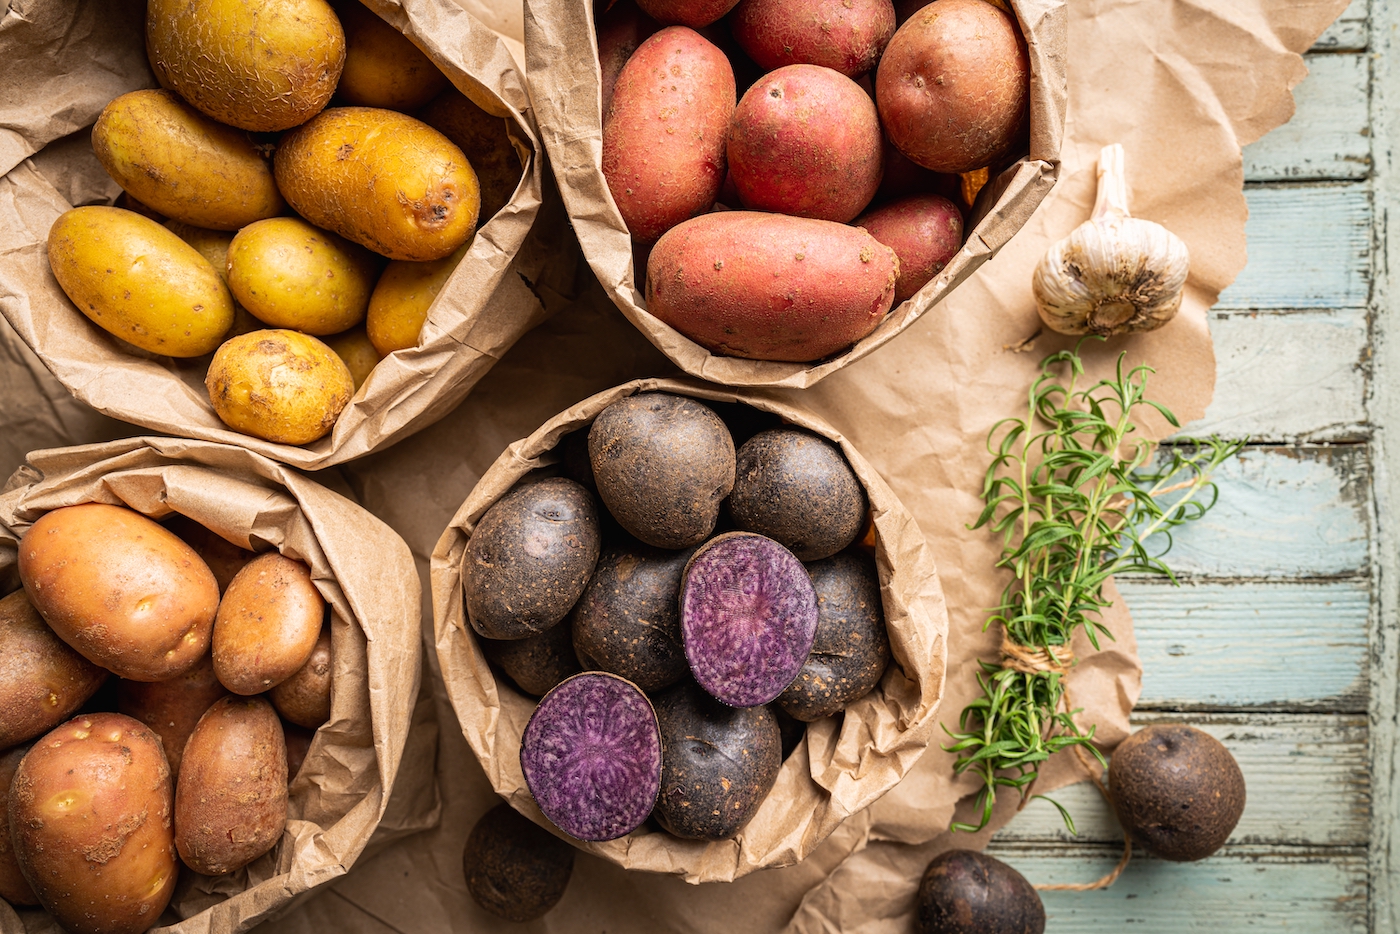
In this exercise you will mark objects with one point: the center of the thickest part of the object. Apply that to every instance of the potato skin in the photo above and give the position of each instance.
(925, 232)
(289, 274)
(663, 137)
(123, 590)
(279, 385)
(536, 663)
(172, 708)
(953, 87)
(184, 165)
(13, 887)
(382, 179)
(248, 63)
(42, 681)
(268, 624)
(770, 287)
(484, 139)
(514, 868)
(357, 352)
(848, 36)
(90, 818)
(621, 31)
(967, 892)
(628, 619)
(305, 697)
(231, 797)
(692, 13)
(805, 140)
(382, 67)
(399, 304)
(224, 558)
(140, 282)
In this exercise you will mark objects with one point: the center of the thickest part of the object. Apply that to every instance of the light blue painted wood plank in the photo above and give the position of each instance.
(1309, 247)
(1239, 889)
(1305, 775)
(1283, 512)
(1329, 135)
(1350, 32)
(1289, 645)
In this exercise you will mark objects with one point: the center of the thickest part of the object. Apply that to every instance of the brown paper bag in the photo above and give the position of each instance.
(841, 766)
(367, 575)
(565, 82)
(502, 288)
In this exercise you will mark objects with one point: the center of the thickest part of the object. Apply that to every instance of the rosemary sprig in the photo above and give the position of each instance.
(1075, 500)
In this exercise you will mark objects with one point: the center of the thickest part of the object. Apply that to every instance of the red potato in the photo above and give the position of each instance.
(663, 139)
(805, 140)
(621, 31)
(903, 179)
(925, 232)
(846, 35)
(954, 85)
(692, 13)
(770, 287)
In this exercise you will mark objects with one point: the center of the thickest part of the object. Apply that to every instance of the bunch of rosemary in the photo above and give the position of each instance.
(1076, 501)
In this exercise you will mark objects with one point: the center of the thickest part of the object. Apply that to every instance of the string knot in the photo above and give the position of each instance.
(1033, 660)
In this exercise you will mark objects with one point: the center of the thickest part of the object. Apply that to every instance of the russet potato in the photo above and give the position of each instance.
(305, 697)
(42, 681)
(279, 385)
(172, 708)
(267, 625)
(13, 887)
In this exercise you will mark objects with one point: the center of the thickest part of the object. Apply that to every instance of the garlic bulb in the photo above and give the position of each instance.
(1114, 273)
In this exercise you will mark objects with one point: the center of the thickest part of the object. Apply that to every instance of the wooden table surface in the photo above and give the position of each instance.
(1280, 641)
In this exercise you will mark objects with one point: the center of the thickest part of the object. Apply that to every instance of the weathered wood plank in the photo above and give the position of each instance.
(1283, 512)
(1289, 377)
(1306, 777)
(1309, 247)
(1329, 136)
(1281, 645)
(1350, 32)
(1238, 889)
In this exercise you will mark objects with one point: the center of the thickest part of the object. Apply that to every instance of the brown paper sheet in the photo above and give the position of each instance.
(365, 572)
(506, 284)
(565, 81)
(841, 766)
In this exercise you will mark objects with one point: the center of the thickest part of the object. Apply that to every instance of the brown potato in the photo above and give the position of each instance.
(484, 140)
(172, 708)
(42, 681)
(267, 625)
(121, 589)
(14, 888)
(278, 384)
(305, 697)
(90, 819)
(231, 798)
(382, 67)
(298, 740)
(224, 558)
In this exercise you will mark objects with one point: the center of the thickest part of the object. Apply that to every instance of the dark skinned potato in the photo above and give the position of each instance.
(514, 868)
(536, 663)
(628, 620)
(966, 892)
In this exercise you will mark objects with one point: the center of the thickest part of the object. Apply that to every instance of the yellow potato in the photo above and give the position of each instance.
(485, 140)
(382, 179)
(355, 349)
(382, 67)
(184, 165)
(290, 275)
(248, 63)
(399, 305)
(279, 385)
(211, 244)
(139, 281)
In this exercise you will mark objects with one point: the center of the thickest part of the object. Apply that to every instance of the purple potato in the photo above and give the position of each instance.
(536, 663)
(966, 892)
(514, 868)
(792, 729)
(718, 765)
(529, 558)
(663, 465)
(852, 648)
(628, 621)
(748, 618)
(591, 755)
(796, 488)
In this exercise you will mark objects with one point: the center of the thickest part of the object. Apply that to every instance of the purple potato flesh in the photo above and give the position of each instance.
(591, 755)
(748, 618)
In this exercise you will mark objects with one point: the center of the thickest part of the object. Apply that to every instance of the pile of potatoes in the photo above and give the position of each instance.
(788, 167)
(684, 604)
(261, 219)
(195, 674)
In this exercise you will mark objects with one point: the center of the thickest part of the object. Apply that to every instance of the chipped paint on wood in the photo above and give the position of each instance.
(1330, 135)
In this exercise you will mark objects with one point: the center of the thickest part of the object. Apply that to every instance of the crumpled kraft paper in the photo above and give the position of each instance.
(366, 574)
(71, 59)
(565, 82)
(843, 763)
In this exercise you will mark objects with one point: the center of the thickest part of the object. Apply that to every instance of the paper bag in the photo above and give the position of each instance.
(367, 576)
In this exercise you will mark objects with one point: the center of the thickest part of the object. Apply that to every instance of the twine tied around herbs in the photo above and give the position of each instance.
(1029, 659)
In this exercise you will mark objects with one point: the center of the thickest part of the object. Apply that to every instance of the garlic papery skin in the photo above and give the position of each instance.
(1114, 273)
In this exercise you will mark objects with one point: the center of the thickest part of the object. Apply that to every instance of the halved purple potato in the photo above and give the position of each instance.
(796, 488)
(748, 618)
(719, 763)
(514, 868)
(591, 755)
(628, 620)
(663, 465)
(852, 647)
(536, 663)
(529, 558)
